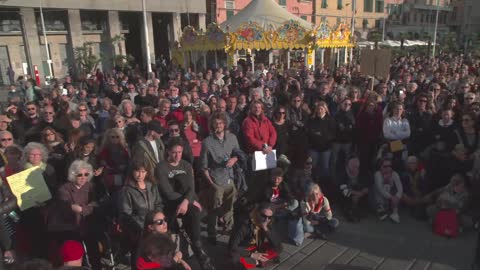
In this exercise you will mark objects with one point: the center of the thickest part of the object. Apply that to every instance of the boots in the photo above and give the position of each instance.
(203, 259)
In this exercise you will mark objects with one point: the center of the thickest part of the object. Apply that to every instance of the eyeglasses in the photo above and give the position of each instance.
(83, 175)
(31, 109)
(6, 139)
(159, 222)
(174, 130)
(266, 217)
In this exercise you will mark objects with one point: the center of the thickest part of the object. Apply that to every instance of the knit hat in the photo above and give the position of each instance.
(71, 251)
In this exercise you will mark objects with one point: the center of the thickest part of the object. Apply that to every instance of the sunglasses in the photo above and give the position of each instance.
(174, 130)
(266, 217)
(83, 174)
(6, 139)
(159, 222)
(82, 110)
(282, 113)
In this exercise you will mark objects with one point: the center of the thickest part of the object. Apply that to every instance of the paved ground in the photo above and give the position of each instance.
(375, 245)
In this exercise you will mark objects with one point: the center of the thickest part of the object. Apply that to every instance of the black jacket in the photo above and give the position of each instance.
(321, 133)
(345, 123)
(135, 204)
(284, 195)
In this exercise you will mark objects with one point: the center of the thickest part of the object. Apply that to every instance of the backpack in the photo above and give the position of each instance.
(446, 223)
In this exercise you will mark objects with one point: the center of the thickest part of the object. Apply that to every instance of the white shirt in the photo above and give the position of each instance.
(155, 149)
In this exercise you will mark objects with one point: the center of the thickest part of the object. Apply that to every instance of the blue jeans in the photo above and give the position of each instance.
(321, 163)
(323, 226)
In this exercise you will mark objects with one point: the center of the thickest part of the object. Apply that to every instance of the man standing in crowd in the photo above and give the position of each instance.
(217, 160)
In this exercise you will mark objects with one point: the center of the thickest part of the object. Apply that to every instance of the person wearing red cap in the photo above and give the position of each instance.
(72, 253)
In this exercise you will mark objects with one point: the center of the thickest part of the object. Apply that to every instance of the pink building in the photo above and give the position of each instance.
(223, 9)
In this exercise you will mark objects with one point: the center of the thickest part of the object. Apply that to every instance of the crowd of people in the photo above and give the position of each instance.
(152, 158)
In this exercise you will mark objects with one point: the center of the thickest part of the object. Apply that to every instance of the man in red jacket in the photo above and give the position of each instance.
(260, 135)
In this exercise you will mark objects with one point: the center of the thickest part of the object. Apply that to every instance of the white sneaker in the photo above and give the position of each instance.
(395, 217)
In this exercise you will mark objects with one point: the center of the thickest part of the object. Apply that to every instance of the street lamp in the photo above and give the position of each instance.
(435, 31)
(49, 61)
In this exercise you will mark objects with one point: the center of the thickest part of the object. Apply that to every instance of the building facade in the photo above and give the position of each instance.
(417, 18)
(110, 28)
(220, 10)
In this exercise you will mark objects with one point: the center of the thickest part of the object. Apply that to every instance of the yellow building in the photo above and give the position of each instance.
(369, 14)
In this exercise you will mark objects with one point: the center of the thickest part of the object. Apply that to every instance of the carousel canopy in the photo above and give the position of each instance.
(267, 14)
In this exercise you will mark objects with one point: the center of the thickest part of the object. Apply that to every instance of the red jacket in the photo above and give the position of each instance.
(258, 132)
(176, 115)
(369, 127)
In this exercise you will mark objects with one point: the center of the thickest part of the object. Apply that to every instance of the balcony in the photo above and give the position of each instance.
(433, 7)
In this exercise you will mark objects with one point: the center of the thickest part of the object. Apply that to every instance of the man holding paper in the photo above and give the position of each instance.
(260, 135)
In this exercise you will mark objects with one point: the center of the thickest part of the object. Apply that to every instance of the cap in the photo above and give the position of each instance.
(154, 125)
(277, 172)
(71, 251)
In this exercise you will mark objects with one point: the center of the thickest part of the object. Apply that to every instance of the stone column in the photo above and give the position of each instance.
(75, 35)
(32, 42)
(202, 23)
(150, 39)
(175, 30)
(114, 30)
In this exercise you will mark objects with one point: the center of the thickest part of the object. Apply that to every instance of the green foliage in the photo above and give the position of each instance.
(85, 59)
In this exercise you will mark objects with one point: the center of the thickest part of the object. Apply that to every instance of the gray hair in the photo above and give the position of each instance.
(3, 132)
(75, 168)
(32, 146)
(122, 106)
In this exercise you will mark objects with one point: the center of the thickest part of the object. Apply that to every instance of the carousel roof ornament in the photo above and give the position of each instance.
(266, 14)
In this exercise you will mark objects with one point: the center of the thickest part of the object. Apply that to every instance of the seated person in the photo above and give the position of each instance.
(353, 189)
(278, 194)
(388, 191)
(414, 187)
(156, 223)
(453, 196)
(252, 242)
(156, 252)
(318, 217)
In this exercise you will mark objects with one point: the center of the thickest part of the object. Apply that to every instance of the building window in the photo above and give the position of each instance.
(339, 4)
(230, 7)
(365, 23)
(368, 6)
(379, 6)
(324, 3)
(55, 20)
(304, 18)
(93, 20)
(10, 22)
(282, 2)
(323, 19)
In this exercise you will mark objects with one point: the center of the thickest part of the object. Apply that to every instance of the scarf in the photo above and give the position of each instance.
(315, 208)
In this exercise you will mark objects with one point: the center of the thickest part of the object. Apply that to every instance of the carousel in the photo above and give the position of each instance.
(264, 32)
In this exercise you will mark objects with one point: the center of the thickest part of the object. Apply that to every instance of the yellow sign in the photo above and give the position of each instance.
(29, 187)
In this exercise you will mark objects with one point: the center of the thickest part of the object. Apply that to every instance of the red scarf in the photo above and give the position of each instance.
(317, 207)
(142, 264)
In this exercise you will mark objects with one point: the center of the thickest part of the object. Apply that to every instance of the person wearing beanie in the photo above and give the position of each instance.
(72, 253)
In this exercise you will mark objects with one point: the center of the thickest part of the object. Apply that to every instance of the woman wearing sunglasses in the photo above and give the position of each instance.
(70, 217)
(255, 228)
(155, 223)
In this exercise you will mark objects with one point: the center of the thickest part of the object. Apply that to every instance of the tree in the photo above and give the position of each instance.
(376, 37)
(85, 60)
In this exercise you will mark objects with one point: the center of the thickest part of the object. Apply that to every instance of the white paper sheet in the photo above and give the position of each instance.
(262, 162)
